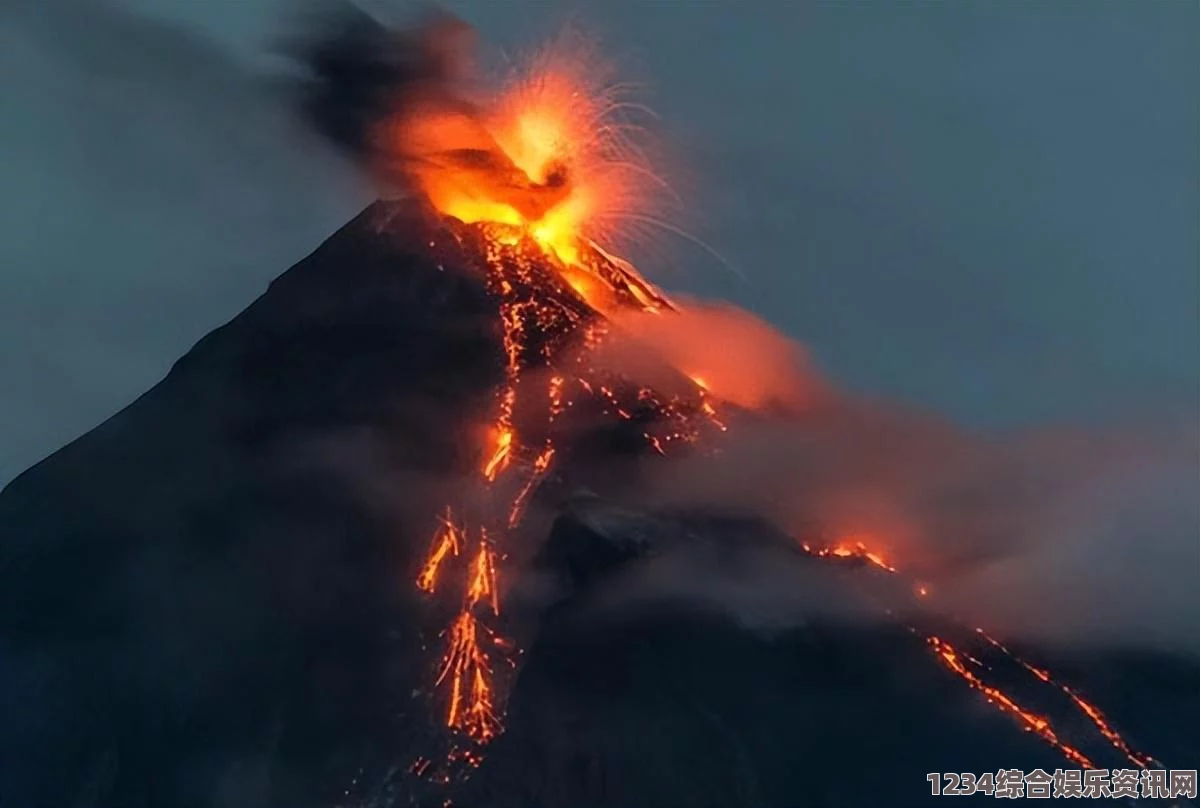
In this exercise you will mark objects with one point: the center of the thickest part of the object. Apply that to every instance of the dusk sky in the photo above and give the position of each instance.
(988, 210)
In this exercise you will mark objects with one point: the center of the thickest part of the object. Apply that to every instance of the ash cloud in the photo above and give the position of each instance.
(359, 72)
(1061, 533)
(405, 104)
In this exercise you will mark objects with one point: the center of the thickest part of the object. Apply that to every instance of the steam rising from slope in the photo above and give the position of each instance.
(1084, 535)
(728, 351)
(986, 521)
(1044, 528)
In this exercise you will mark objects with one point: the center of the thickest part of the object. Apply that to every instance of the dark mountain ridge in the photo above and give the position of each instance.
(207, 600)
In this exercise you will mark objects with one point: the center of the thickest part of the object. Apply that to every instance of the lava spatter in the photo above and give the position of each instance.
(559, 173)
(548, 330)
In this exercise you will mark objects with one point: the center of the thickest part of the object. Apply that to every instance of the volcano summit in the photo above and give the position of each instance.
(382, 540)
(222, 595)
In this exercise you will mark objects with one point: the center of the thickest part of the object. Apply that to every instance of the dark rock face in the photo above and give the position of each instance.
(195, 597)
(685, 698)
(206, 601)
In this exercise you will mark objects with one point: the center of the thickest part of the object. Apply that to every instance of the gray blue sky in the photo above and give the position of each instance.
(991, 210)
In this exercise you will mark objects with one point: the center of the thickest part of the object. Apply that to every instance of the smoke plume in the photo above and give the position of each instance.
(731, 353)
(406, 105)
(360, 72)
(1066, 533)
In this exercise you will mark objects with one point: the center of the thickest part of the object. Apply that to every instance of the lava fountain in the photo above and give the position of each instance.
(540, 174)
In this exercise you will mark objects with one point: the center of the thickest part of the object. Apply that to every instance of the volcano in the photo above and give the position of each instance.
(376, 542)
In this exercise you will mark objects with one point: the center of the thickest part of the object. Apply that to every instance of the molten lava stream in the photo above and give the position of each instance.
(447, 542)
(1031, 722)
(953, 659)
(1092, 712)
(468, 671)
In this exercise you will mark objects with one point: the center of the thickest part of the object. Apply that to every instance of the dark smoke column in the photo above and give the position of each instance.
(375, 93)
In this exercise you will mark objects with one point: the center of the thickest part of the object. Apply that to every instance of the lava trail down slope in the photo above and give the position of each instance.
(252, 587)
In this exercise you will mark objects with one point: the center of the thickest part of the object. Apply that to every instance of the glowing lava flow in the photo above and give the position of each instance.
(557, 173)
(956, 661)
(1090, 710)
(1032, 723)
(847, 549)
(446, 543)
(548, 331)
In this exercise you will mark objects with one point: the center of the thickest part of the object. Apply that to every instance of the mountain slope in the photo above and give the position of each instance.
(208, 600)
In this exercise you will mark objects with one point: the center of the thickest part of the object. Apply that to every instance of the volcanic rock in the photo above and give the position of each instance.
(207, 601)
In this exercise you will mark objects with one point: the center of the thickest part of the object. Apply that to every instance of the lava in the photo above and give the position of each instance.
(446, 543)
(851, 548)
(501, 454)
(1088, 709)
(1032, 723)
(544, 325)
(550, 156)
(952, 658)
(482, 587)
(542, 175)
(467, 669)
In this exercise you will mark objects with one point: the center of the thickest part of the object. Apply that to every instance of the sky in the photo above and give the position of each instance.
(990, 211)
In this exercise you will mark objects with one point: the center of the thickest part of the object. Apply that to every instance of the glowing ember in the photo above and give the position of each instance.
(1032, 723)
(467, 670)
(551, 172)
(551, 157)
(543, 324)
(500, 455)
(1090, 710)
(544, 321)
(446, 543)
(482, 587)
(851, 549)
(953, 658)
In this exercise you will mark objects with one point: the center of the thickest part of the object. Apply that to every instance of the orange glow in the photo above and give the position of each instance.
(728, 353)
(550, 155)
(500, 455)
(1032, 723)
(852, 549)
(510, 469)
(560, 122)
(545, 174)
(556, 400)
(540, 466)
(952, 659)
(1090, 710)
(482, 587)
(466, 668)
(446, 542)
(523, 180)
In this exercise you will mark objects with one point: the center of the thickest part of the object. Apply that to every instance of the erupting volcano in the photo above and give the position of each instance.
(378, 540)
(525, 179)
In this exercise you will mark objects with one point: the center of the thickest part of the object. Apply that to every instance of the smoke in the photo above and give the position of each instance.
(734, 355)
(406, 105)
(1064, 533)
(359, 73)
(763, 588)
